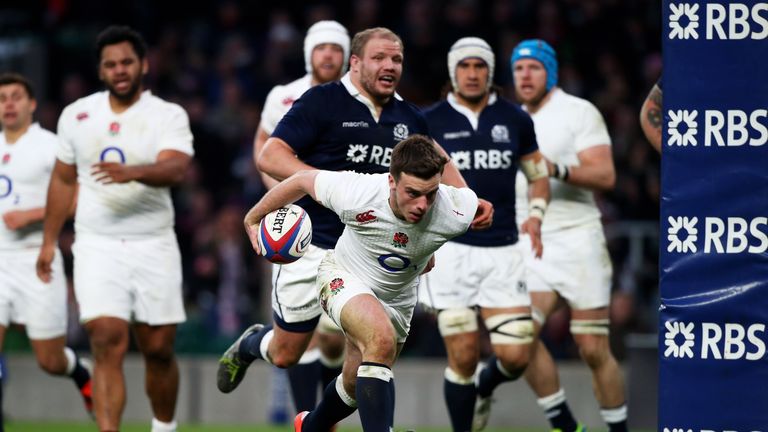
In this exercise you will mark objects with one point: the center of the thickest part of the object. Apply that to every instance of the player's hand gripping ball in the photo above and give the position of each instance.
(285, 234)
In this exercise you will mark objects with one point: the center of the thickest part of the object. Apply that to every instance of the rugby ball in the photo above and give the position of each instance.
(285, 234)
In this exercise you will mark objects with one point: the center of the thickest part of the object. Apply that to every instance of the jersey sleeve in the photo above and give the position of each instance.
(271, 114)
(65, 149)
(591, 130)
(302, 124)
(528, 143)
(176, 133)
(344, 190)
(463, 206)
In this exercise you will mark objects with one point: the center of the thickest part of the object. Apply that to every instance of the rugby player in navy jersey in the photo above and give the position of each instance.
(488, 138)
(326, 54)
(353, 125)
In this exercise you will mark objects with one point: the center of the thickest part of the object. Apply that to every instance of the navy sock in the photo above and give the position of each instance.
(618, 427)
(491, 376)
(2, 420)
(80, 374)
(328, 374)
(250, 346)
(460, 401)
(375, 397)
(560, 417)
(304, 379)
(331, 410)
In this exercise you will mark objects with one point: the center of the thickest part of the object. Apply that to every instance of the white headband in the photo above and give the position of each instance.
(470, 47)
(326, 32)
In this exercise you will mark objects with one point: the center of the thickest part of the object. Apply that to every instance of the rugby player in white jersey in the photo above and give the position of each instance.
(576, 266)
(27, 155)
(368, 283)
(125, 147)
(326, 54)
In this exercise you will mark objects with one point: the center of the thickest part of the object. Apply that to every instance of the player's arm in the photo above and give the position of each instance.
(62, 190)
(534, 166)
(291, 189)
(18, 219)
(650, 117)
(452, 177)
(258, 145)
(278, 160)
(595, 169)
(168, 170)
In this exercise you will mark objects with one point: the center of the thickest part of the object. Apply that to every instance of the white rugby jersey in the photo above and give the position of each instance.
(25, 169)
(384, 251)
(280, 100)
(90, 132)
(564, 126)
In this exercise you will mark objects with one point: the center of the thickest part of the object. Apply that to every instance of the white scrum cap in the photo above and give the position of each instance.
(470, 47)
(326, 32)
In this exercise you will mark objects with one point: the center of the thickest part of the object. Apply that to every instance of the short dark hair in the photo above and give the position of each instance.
(15, 78)
(116, 34)
(418, 156)
(361, 38)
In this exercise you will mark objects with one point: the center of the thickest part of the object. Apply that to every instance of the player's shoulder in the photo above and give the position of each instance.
(82, 107)
(569, 101)
(509, 107)
(286, 94)
(437, 109)
(161, 105)
(42, 134)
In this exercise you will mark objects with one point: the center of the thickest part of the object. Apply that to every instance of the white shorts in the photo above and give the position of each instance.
(294, 291)
(468, 276)
(131, 279)
(25, 299)
(337, 286)
(575, 264)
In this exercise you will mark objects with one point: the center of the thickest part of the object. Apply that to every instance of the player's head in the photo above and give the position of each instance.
(415, 172)
(17, 101)
(326, 51)
(534, 69)
(376, 62)
(122, 61)
(470, 64)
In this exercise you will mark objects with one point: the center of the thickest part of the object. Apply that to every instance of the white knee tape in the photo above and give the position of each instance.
(345, 397)
(455, 378)
(595, 327)
(510, 329)
(456, 321)
(538, 316)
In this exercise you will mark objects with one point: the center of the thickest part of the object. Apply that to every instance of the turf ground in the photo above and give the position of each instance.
(90, 427)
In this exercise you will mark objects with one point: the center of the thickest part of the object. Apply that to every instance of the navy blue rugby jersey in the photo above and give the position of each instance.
(488, 158)
(330, 129)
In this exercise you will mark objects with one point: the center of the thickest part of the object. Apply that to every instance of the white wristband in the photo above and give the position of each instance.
(537, 207)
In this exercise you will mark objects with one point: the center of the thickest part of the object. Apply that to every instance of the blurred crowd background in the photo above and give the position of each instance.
(219, 59)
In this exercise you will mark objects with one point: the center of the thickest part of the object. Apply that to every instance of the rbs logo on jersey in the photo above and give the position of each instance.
(715, 341)
(734, 21)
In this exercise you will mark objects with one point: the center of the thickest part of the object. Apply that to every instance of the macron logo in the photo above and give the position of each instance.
(355, 124)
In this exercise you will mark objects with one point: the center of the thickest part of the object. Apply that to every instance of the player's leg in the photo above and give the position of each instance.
(54, 357)
(337, 402)
(541, 374)
(511, 334)
(590, 331)
(461, 337)
(44, 311)
(161, 378)
(331, 342)
(109, 342)
(451, 288)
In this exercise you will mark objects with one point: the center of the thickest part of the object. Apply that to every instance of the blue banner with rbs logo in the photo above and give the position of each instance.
(714, 218)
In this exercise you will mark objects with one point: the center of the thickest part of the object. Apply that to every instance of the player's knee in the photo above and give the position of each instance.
(456, 321)
(52, 363)
(158, 354)
(332, 345)
(464, 363)
(510, 329)
(381, 346)
(514, 357)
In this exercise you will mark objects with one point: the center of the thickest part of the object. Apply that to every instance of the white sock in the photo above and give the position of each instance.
(614, 415)
(71, 360)
(159, 426)
(264, 346)
(310, 356)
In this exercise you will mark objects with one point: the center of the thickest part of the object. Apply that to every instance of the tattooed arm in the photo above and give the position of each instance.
(651, 116)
